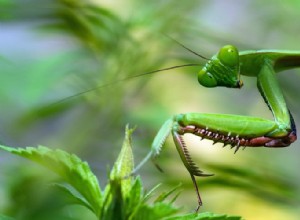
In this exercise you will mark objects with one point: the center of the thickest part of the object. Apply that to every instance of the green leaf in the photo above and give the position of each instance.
(212, 216)
(204, 216)
(162, 197)
(124, 164)
(4, 217)
(72, 195)
(133, 202)
(113, 202)
(151, 192)
(157, 211)
(74, 171)
(123, 192)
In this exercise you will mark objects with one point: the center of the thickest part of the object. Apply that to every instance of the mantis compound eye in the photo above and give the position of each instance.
(229, 56)
(206, 79)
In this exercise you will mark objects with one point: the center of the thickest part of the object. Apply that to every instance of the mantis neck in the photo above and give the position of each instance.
(252, 61)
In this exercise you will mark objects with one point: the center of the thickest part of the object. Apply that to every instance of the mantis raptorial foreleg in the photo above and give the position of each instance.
(224, 69)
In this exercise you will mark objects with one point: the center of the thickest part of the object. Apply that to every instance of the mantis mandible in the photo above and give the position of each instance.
(224, 69)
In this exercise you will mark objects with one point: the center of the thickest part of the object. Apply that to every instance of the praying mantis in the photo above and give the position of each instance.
(224, 70)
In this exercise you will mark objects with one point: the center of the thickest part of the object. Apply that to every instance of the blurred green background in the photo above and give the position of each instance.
(53, 49)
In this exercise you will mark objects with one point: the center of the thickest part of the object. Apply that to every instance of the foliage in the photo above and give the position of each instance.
(52, 50)
(122, 198)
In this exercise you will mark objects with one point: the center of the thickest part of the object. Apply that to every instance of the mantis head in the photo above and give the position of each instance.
(222, 70)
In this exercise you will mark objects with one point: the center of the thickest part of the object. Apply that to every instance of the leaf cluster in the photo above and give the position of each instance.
(122, 198)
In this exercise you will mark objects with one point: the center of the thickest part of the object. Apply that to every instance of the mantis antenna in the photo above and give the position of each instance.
(138, 75)
(188, 49)
(124, 79)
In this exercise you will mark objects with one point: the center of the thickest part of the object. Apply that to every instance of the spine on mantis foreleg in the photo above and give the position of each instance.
(157, 144)
(160, 139)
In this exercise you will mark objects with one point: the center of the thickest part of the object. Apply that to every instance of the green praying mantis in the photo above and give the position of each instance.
(225, 69)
